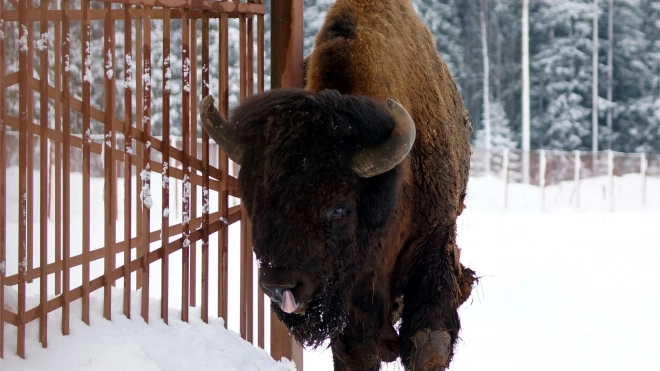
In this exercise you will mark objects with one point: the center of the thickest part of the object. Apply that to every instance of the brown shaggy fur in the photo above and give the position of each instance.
(380, 48)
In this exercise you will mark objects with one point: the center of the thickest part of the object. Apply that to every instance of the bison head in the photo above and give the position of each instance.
(319, 179)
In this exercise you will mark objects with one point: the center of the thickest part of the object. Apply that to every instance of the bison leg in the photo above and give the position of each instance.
(369, 337)
(430, 323)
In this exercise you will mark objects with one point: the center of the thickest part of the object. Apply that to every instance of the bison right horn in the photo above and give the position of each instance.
(219, 129)
(372, 161)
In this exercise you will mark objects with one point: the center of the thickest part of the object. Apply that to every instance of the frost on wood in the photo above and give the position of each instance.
(146, 79)
(128, 81)
(186, 241)
(88, 64)
(2, 266)
(166, 178)
(42, 43)
(166, 212)
(108, 66)
(23, 264)
(186, 71)
(205, 201)
(88, 137)
(168, 73)
(108, 140)
(22, 42)
(2, 29)
(186, 199)
(66, 63)
(145, 194)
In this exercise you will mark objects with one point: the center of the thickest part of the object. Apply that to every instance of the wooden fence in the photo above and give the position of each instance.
(54, 103)
(550, 167)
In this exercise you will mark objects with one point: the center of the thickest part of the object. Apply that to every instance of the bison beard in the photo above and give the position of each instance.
(324, 318)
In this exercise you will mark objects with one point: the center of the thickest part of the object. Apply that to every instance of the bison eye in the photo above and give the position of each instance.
(338, 212)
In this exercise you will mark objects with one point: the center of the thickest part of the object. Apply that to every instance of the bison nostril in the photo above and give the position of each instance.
(276, 291)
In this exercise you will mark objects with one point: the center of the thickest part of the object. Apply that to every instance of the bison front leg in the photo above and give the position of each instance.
(369, 337)
(430, 323)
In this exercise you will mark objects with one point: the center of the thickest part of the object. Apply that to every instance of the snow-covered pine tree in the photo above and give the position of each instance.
(561, 75)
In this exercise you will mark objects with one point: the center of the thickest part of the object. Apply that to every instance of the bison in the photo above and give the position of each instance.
(353, 186)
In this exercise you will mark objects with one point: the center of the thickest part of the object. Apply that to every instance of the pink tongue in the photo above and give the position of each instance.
(288, 303)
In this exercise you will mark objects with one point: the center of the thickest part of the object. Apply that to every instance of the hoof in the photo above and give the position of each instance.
(430, 350)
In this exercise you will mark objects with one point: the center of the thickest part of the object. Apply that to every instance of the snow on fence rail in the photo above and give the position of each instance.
(554, 168)
(81, 81)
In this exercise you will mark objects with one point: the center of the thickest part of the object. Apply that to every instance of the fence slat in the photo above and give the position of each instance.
(147, 201)
(223, 164)
(30, 141)
(57, 215)
(165, 225)
(110, 191)
(43, 176)
(22, 182)
(260, 88)
(185, 197)
(193, 153)
(205, 174)
(3, 192)
(86, 168)
(66, 170)
(128, 149)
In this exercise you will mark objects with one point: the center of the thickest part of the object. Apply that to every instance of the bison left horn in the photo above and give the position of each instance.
(372, 161)
(219, 129)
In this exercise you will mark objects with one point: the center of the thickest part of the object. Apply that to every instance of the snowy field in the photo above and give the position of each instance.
(572, 288)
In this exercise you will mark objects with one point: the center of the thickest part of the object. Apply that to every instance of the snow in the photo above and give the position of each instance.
(42, 43)
(22, 42)
(572, 288)
(88, 64)
(132, 344)
(108, 66)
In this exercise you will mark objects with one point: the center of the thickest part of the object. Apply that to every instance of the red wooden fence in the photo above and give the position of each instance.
(50, 106)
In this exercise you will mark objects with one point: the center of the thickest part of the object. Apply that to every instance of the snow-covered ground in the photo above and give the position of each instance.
(572, 288)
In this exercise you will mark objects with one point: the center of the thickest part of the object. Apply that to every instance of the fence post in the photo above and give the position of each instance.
(643, 166)
(286, 70)
(610, 175)
(578, 168)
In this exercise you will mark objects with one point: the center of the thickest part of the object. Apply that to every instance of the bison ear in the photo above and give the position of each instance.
(219, 129)
(372, 161)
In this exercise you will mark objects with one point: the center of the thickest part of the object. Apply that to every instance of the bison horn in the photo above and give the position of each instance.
(219, 129)
(372, 161)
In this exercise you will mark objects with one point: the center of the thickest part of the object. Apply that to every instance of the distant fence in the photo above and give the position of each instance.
(548, 168)
(51, 157)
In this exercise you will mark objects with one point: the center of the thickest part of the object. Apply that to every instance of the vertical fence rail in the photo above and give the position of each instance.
(43, 172)
(3, 187)
(185, 198)
(193, 153)
(109, 179)
(145, 175)
(165, 225)
(223, 165)
(205, 173)
(22, 176)
(260, 88)
(66, 169)
(86, 130)
(128, 152)
(58, 155)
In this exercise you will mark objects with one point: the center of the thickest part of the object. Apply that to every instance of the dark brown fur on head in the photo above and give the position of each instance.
(297, 169)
